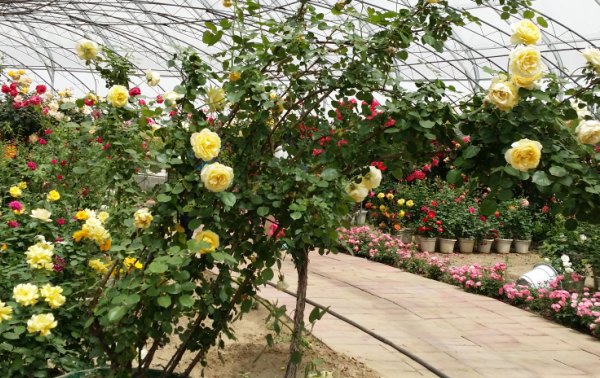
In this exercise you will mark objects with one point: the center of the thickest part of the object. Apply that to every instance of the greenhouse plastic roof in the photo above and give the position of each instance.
(40, 35)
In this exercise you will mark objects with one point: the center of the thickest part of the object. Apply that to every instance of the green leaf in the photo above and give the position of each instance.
(505, 195)
(316, 314)
(157, 267)
(488, 207)
(132, 299)
(80, 170)
(228, 198)
(454, 177)
(542, 22)
(296, 215)
(540, 178)
(262, 211)
(330, 174)
(186, 300)
(571, 224)
(471, 151)
(222, 256)
(163, 198)
(178, 188)
(558, 171)
(116, 313)
(427, 124)
(164, 301)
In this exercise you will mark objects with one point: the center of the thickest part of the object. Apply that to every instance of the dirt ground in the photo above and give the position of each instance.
(249, 356)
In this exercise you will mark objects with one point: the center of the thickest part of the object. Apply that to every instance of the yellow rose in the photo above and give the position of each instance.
(86, 49)
(41, 323)
(172, 97)
(5, 312)
(235, 76)
(381, 195)
(53, 295)
(410, 203)
(389, 196)
(526, 61)
(208, 237)
(525, 32)
(216, 177)
(433, 1)
(215, 99)
(82, 215)
(142, 218)
(15, 192)
(227, 3)
(22, 185)
(94, 230)
(132, 262)
(118, 96)
(524, 154)
(79, 234)
(53, 196)
(39, 256)
(152, 78)
(401, 202)
(206, 144)
(26, 294)
(372, 179)
(103, 216)
(588, 132)
(503, 94)
(13, 74)
(41, 214)
(98, 266)
(593, 57)
(527, 82)
(402, 213)
(358, 192)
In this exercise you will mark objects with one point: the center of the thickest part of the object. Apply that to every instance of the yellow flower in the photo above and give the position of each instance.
(39, 256)
(588, 132)
(381, 195)
(79, 234)
(524, 154)
(372, 179)
(132, 262)
(22, 185)
(118, 96)
(525, 32)
(53, 195)
(3, 247)
(527, 82)
(433, 1)
(401, 202)
(215, 99)
(208, 237)
(227, 3)
(15, 192)
(172, 97)
(41, 214)
(41, 323)
(206, 144)
(142, 218)
(5, 312)
(526, 61)
(389, 196)
(95, 231)
(235, 76)
(593, 57)
(103, 216)
(358, 192)
(402, 213)
(53, 295)
(19, 212)
(152, 78)
(503, 94)
(410, 203)
(98, 266)
(13, 74)
(21, 72)
(26, 294)
(216, 177)
(86, 49)
(82, 215)
(24, 90)
(382, 208)
(105, 246)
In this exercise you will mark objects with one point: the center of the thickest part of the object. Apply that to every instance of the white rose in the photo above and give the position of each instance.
(581, 111)
(280, 153)
(372, 179)
(152, 78)
(358, 192)
(41, 214)
(588, 132)
(592, 56)
(564, 258)
(173, 97)
(569, 270)
(582, 237)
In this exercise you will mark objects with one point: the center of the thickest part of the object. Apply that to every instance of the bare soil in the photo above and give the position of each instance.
(250, 357)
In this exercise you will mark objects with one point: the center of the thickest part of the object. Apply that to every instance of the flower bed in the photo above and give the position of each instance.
(573, 308)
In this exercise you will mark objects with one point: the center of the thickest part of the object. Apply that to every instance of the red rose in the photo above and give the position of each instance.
(135, 91)
(40, 89)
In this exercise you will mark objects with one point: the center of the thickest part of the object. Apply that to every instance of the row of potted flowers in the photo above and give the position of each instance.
(470, 245)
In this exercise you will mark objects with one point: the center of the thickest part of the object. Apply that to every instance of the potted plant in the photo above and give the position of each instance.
(488, 232)
(469, 228)
(521, 224)
(503, 232)
(430, 227)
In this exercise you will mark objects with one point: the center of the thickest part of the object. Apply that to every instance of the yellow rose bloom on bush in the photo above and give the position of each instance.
(41, 214)
(22, 185)
(215, 99)
(526, 61)
(401, 202)
(389, 196)
(86, 49)
(410, 203)
(358, 192)
(401, 214)
(82, 215)
(103, 216)
(152, 78)
(372, 179)
(527, 82)
(26, 294)
(15, 192)
(524, 154)
(142, 218)
(132, 262)
(216, 177)
(503, 94)
(41, 323)
(588, 132)
(206, 144)
(53, 295)
(98, 266)
(53, 196)
(381, 195)
(5, 312)
(39, 256)
(80, 234)
(525, 32)
(118, 96)
(208, 237)
(592, 56)
(235, 76)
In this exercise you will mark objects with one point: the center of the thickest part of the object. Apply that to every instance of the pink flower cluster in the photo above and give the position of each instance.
(473, 276)
(514, 292)
(367, 241)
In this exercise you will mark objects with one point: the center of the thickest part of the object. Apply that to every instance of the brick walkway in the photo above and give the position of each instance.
(462, 334)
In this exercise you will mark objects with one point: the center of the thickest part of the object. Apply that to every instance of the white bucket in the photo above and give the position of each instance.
(360, 217)
(540, 276)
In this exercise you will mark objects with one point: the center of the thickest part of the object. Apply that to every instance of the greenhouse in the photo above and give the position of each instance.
(299, 188)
